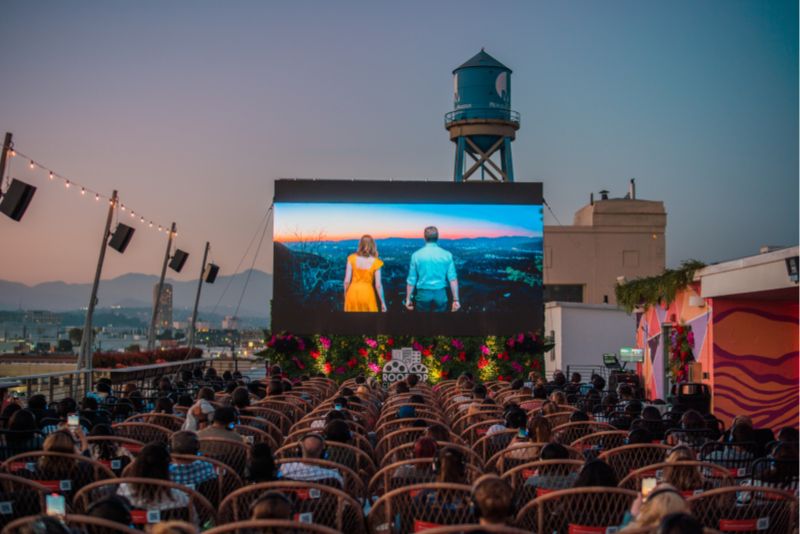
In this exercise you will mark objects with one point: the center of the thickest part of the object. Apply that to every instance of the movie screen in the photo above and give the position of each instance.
(432, 258)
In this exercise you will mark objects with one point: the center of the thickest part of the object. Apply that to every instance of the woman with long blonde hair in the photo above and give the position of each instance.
(683, 477)
(649, 511)
(362, 278)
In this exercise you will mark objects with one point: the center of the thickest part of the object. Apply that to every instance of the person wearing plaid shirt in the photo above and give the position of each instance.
(190, 473)
(313, 447)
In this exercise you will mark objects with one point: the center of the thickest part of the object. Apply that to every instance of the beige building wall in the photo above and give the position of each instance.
(608, 239)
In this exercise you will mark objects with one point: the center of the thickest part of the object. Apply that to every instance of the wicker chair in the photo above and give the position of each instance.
(513, 455)
(488, 446)
(780, 474)
(341, 453)
(198, 510)
(411, 471)
(577, 509)
(20, 497)
(317, 503)
(82, 471)
(713, 476)
(735, 457)
(253, 435)
(232, 453)
(558, 418)
(631, 457)
(353, 484)
(271, 526)
(14, 442)
(420, 506)
(78, 524)
(466, 529)
(746, 509)
(391, 441)
(143, 432)
(292, 411)
(226, 481)
(406, 452)
(263, 424)
(569, 432)
(545, 475)
(600, 441)
(478, 429)
(394, 425)
(170, 422)
(276, 417)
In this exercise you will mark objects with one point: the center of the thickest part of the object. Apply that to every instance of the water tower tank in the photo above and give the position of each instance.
(482, 122)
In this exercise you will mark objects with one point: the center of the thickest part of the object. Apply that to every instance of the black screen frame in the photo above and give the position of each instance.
(288, 315)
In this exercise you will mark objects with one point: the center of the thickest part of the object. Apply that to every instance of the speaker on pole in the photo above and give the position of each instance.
(211, 273)
(178, 260)
(16, 199)
(121, 238)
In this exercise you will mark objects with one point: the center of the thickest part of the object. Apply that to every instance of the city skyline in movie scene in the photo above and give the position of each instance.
(495, 251)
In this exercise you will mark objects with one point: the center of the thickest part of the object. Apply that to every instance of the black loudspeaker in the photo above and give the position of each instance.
(178, 260)
(211, 273)
(16, 200)
(121, 238)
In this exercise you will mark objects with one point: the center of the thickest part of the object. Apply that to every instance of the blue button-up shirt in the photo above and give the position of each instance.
(431, 268)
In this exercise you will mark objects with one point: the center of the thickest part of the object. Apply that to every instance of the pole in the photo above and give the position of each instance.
(3, 156)
(85, 357)
(151, 338)
(197, 297)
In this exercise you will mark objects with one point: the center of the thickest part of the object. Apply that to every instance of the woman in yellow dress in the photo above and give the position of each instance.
(362, 278)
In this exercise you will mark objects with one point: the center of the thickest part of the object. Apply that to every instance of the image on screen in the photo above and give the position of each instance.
(450, 257)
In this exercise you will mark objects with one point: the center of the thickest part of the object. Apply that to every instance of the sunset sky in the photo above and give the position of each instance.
(340, 221)
(192, 109)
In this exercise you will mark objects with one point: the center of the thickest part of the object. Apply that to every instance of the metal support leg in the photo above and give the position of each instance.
(507, 162)
(458, 173)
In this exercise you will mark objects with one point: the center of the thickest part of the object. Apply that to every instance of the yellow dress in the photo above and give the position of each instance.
(360, 295)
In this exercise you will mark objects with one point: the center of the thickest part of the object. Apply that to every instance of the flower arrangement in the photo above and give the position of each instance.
(681, 352)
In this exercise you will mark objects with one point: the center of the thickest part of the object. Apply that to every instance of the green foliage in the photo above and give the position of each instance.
(646, 292)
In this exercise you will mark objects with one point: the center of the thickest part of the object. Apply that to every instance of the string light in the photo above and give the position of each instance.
(141, 220)
(97, 196)
(83, 191)
(13, 152)
(52, 175)
(32, 164)
(151, 224)
(66, 184)
(122, 207)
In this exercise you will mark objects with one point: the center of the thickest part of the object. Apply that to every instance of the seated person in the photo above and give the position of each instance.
(647, 512)
(153, 462)
(271, 505)
(694, 422)
(109, 452)
(112, 508)
(738, 449)
(553, 477)
(200, 414)
(262, 464)
(515, 418)
(685, 478)
(651, 421)
(222, 426)
(187, 472)
(312, 447)
(596, 473)
(479, 396)
(538, 431)
(680, 524)
(559, 397)
(638, 436)
(424, 448)
(438, 432)
(493, 498)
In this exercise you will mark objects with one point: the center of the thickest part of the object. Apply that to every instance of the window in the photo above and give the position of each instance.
(563, 293)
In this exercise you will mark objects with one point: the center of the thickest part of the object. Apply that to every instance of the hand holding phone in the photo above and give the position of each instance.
(648, 485)
(56, 505)
(73, 420)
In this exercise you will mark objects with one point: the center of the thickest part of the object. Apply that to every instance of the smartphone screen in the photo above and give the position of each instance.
(648, 484)
(56, 505)
(73, 420)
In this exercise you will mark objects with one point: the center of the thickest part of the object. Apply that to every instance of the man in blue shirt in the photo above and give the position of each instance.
(430, 272)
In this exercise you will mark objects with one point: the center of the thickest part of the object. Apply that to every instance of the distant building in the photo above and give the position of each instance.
(230, 323)
(608, 239)
(164, 312)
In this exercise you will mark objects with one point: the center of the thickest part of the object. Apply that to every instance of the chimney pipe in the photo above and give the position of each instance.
(632, 189)
(604, 195)
(591, 199)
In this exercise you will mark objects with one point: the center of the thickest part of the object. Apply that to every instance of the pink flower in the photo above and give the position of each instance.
(485, 350)
(520, 338)
(416, 346)
(325, 342)
(340, 370)
(300, 344)
(445, 358)
(457, 344)
(374, 367)
(371, 342)
(516, 366)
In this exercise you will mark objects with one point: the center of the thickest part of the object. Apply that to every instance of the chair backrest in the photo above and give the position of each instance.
(600, 441)
(20, 497)
(271, 526)
(406, 452)
(341, 453)
(781, 474)
(394, 425)
(78, 523)
(311, 502)
(263, 424)
(534, 479)
(513, 455)
(736, 457)
(419, 506)
(18, 441)
(558, 418)
(478, 429)
(353, 484)
(289, 409)
(170, 422)
(630, 457)
(746, 509)
(144, 432)
(491, 444)
(226, 481)
(578, 509)
(253, 435)
(197, 508)
(711, 475)
(277, 418)
(569, 432)
(394, 439)
(494, 529)
(234, 454)
(411, 471)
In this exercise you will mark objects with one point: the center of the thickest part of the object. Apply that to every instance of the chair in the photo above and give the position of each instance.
(234, 454)
(780, 474)
(746, 509)
(714, 476)
(311, 501)
(13, 442)
(736, 457)
(170, 422)
(341, 453)
(586, 510)
(406, 452)
(78, 524)
(394, 439)
(20, 497)
(253, 435)
(271, 526)
(421, 506)
(694, 438)
(395, 425)
(144, 432)
(353, 484)
(64, 479)
(558, 418)
(489, 445)
(478, 429)
(630, 457)
(545, 475)
(277, 418)
(465, 529)
(600, 441)
(292, 411)
(569, 432)
(117, 463)
(410, 471)
(198, 510)
(226, 481)
(263, 424)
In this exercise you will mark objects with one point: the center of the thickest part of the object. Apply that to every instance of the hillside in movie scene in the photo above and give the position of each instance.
(490, 254)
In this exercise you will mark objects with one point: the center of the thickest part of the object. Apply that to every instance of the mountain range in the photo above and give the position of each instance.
(134, 290)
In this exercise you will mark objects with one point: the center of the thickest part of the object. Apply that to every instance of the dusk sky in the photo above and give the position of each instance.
(336, 222)
(193, 109)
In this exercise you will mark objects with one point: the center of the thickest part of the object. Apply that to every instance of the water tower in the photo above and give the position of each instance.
(482, 122)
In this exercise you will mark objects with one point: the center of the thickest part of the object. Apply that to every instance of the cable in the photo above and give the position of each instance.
(551, 211)
(255, 257)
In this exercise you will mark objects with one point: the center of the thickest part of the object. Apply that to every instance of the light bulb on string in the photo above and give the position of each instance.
(83, 191)
(132, 214)
(122, 207)
(97, 196)
(32, 164)
(66, 184)
(51, 175)
(159, 227)
(13, 152)
(141, 220)
(151, 224)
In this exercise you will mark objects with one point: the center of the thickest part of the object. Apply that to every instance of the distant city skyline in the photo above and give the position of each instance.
(192, 110)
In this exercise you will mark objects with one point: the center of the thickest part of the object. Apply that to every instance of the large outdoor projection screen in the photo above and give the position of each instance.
(484, 243)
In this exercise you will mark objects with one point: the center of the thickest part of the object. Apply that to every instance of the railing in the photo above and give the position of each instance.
(55, 385)
(481, 113)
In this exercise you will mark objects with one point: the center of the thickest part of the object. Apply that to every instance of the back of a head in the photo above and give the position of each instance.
(479, 391)
(692, 420)
(100, 430)
(576, 378)
(680, 523)
(516, 384)
(174, 527)
(44, 525)
(206, 393)
(438, 432)
(412, 380)
(559, 379)
(578, 416)
(22, 420)
(639, 436)
(789, 435)
(450, 466)
(151, 462)
(337, 431)
(225, 416)
(554, 451)
(184, 442)
(113, 508)
(494, 499)
(240, 397)
(59, 441)
(651, 413)
(539, 429)
(37, 402)
(402, 387)
(262, 463)
(516, 418)
(743, 433)
(431, 234)
(596, 473)
(66, 406)
(424, 447)
(312, 446)
(598, 382)
(662, 501)
(271, 505)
